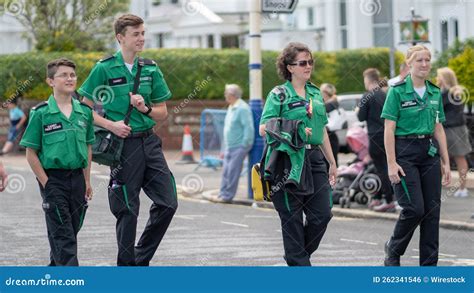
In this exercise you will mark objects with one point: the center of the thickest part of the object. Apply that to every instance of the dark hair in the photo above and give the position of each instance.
(121, 24)
(53, 66)
(288, 56)
(372, 74)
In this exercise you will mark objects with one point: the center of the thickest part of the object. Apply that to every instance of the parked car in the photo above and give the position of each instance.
(344, 118)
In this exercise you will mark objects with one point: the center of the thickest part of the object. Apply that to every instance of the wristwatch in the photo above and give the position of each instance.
(148, 111)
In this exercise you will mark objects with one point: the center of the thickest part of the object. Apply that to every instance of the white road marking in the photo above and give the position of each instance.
(358, 241)
(260, 217)
(235, 224)
(189, 217)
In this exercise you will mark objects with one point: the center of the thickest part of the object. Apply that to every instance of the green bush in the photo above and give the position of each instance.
(200, 73)
(463, 66)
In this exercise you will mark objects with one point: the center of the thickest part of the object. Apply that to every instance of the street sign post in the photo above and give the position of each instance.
(279, 6)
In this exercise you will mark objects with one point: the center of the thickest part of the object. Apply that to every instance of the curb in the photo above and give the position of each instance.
(339, 212)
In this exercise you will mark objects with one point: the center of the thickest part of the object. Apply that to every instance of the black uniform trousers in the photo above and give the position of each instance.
(377, 153)
(300, 239)
(142, 166)
(421, 206)
(65, 206)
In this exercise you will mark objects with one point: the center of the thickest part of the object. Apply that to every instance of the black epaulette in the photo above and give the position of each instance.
(42, 104)
(429, 81)
(84, 104)
(108, 57)
(313, 85)
(148, 61)
(399, 83)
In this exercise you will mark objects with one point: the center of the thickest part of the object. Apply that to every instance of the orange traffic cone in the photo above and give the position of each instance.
(187, 147)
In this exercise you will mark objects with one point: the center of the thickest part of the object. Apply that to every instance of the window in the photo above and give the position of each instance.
(159, 40)
(210, 41)
(310, 16)
(444, 35)
(343, 23)
(381, 21)
(230, 41)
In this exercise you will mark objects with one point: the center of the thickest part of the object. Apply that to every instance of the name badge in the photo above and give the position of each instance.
(408, 104)
(53, 127)
(296, 104)
(117, 81)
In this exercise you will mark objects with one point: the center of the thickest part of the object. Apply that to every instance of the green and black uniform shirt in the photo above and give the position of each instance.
(413, 114)
(61, 142)
(110, 83)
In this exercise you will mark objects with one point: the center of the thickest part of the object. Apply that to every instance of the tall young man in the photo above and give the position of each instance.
(143, 165)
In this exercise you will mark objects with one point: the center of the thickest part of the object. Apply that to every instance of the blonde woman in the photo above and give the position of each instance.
(417, 157)
(457, 136)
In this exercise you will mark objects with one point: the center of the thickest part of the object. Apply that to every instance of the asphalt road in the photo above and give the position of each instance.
(201, 234)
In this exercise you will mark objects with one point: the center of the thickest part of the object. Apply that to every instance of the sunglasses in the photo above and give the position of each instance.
(303, 63)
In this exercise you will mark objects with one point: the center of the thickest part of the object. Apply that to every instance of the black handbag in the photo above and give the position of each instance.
(107, 147)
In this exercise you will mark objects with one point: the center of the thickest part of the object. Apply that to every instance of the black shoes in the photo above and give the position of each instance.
(391, 259)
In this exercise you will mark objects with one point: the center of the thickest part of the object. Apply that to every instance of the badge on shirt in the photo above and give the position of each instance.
(53, 127)
(117, 81)
(81, 123)
(296, 104)
(408, 104)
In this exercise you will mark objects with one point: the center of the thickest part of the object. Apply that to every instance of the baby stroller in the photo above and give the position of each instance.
(358, 181)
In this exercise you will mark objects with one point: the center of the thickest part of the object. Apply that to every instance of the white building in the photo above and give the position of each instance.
(324, 25)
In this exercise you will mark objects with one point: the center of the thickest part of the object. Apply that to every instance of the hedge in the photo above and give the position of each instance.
(197, 73)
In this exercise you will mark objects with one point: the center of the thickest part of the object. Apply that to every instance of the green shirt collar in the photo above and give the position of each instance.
(409, 85)
(310, 88)
(120, 62)
(53, 106)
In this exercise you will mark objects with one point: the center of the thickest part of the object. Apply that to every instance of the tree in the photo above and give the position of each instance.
(67, 25)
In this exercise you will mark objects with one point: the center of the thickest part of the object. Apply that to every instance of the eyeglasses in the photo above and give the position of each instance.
(303, 63)
(66, 76)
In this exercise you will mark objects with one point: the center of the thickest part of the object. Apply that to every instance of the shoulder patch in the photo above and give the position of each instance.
(108, 57)
(431, 83)
(399, 83)
(85, 105)
(280, 89)
(148, 61)
(40, 105)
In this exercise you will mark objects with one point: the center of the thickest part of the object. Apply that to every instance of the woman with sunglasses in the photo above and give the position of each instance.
(414, 141)
(302, 101)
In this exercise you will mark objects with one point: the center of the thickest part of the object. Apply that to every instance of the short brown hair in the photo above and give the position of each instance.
(372, 74)
(288, 56)
(121, 24)
(53, 66)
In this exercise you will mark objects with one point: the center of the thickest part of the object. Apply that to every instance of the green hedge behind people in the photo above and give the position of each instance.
(143, 165)
(302, 101)
(417, 158)
(58, 142)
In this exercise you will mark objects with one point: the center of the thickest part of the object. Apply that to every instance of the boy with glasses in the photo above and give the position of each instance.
(58, 148)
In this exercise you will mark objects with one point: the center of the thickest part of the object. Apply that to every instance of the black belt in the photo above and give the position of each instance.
(141, 134)
(63, 172)
(311, 146)
(415, 136)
